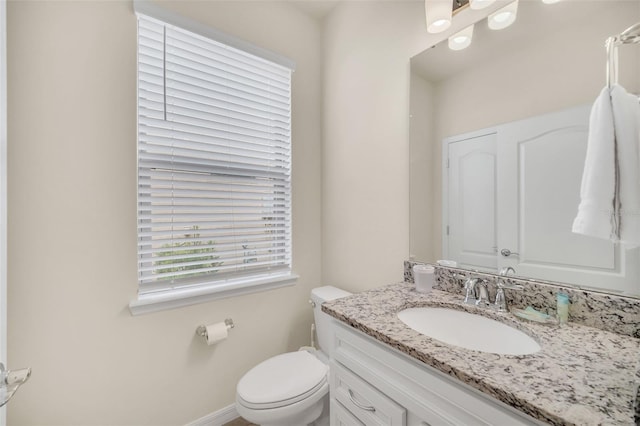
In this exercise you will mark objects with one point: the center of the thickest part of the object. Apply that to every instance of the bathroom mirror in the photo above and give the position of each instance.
(551, 59)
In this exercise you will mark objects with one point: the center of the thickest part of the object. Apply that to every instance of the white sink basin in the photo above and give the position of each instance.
(468, 331)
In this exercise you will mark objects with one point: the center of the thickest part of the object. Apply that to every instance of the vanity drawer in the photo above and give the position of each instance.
(365, 402)
(340, 416)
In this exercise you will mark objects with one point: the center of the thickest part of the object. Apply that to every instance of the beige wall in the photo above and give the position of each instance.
(365, 147)
(72, 222)
(553, 72)
(365, 208)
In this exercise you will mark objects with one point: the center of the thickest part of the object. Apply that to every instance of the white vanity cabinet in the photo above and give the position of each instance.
(372, 384)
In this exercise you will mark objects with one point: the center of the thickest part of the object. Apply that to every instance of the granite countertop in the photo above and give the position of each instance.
(581, 376)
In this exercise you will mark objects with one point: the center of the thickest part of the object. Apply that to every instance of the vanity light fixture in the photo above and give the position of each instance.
(481, 4)
(504, 17)
(461, 39)
(438, 15)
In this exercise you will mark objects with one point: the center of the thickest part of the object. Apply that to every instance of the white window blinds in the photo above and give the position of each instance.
(214, 162)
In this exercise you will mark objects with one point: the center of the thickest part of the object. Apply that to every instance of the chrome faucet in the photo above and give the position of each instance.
(483, 293)
(501, 300)
(476, 292)
(470, 290)
(505, 271)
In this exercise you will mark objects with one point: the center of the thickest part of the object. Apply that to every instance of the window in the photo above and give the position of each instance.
(214, 167)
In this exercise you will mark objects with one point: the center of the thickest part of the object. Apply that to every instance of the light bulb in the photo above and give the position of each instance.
(461, 39)
(504, 17)
(440, 22)
(438, 13)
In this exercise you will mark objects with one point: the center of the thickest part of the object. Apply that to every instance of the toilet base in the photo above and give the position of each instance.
(305, 412)
(309, 418)
(324, 418)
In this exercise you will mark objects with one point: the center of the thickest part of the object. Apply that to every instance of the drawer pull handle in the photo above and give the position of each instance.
(359, 405)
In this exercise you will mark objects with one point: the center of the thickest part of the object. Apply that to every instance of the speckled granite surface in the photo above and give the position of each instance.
(582, 375)
(610, 312)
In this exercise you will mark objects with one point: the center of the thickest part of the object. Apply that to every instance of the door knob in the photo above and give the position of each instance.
(10, 381)
(506, 253)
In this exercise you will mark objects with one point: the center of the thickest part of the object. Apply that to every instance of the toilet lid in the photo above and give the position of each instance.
(282, 380)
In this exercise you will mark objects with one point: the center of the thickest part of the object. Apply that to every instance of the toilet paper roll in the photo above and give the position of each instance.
(423, 277)
(216, 333)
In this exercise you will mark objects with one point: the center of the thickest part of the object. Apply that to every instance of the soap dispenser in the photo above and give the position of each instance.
(562, 308)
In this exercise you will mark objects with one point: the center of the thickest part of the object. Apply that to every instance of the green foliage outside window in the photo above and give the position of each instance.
(203, 255)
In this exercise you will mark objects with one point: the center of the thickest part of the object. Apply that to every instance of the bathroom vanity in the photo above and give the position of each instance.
(385, 373)
(373, 385)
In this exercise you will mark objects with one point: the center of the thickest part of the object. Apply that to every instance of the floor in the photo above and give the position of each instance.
(239, 422)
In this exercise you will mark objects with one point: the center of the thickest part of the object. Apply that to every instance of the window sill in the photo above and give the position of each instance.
(175, 298)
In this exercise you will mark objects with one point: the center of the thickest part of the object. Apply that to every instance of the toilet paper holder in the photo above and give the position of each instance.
(202, 329)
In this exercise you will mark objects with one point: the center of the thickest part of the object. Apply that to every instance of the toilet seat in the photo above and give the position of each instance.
(282, 380)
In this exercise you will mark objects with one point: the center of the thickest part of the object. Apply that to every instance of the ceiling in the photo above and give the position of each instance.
(317, 9)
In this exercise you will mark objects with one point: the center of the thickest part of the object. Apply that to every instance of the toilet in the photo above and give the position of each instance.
(292, 388)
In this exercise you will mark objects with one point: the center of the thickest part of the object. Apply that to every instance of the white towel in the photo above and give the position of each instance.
(596, 212)
(610, 192)
(626, 119)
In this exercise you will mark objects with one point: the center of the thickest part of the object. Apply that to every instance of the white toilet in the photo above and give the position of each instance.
(292, 388)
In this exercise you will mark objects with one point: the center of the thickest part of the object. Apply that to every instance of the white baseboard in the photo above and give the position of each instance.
(217, 418)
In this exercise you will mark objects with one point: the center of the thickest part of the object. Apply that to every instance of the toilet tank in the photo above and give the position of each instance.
(319, 295)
